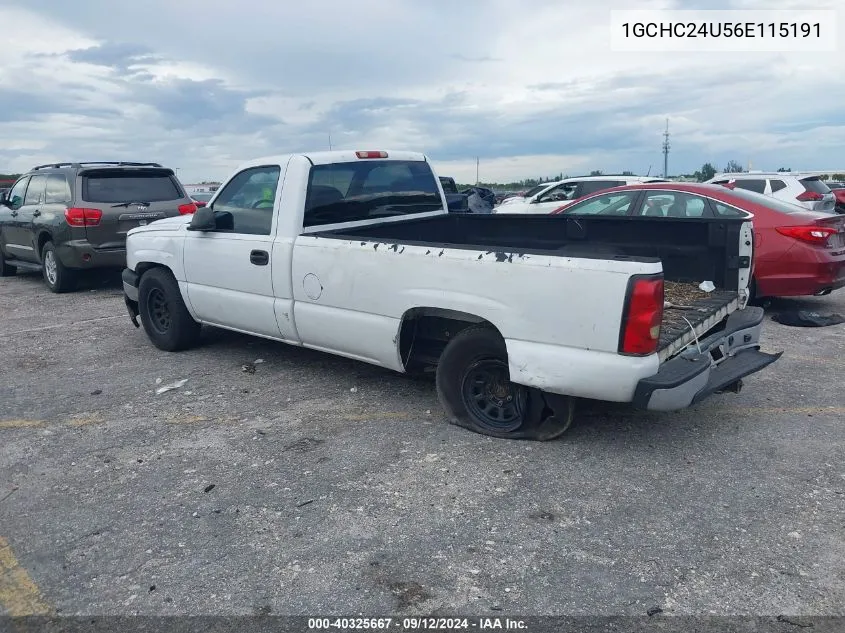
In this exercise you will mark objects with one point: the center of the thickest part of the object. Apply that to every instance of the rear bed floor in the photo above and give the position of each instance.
(702, 310)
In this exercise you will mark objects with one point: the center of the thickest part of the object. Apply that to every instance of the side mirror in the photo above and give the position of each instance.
(203, 219)
(4, 198)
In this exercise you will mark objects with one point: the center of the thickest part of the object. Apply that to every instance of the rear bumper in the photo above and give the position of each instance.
(810, 280)
(726, 357)
(82, 254)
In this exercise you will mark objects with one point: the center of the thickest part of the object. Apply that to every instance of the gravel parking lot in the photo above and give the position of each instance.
(308, 484)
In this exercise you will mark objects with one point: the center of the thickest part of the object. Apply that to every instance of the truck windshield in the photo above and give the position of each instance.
(369, 189)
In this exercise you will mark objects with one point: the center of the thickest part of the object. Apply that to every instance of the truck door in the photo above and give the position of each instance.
(228, 271)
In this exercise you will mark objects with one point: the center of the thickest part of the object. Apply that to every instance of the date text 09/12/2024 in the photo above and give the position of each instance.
(417, 624)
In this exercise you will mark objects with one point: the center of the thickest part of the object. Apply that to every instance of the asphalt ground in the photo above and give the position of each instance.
(319, 485)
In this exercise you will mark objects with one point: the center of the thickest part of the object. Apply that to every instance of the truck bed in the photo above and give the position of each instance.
(691, 250)
(692, 312)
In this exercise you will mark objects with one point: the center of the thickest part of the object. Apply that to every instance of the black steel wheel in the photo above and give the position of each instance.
(491, 398)
(163, 313)
(474, 387)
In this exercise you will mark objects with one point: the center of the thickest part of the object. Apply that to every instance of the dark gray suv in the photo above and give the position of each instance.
(66, 217)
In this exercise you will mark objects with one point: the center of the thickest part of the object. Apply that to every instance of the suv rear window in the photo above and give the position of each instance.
(368, 190)
(120, 186)
(815, 185)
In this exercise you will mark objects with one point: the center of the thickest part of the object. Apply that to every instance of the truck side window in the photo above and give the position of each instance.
(250, 197)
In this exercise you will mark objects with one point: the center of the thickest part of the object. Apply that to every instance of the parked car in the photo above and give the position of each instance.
(809, 192)
(838, 191)
(379, 271)
(66, 217)
(796, 252)
(456, 201)
(551, 196)
(201, 199)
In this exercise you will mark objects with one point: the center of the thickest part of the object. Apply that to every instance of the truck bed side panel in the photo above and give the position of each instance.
(350, 296)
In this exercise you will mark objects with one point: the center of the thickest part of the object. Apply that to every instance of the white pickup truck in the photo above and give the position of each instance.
(354, 253)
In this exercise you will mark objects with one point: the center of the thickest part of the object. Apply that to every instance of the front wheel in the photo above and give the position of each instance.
(164, 316)
(474, 387)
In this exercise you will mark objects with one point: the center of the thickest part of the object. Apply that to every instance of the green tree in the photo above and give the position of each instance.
(839, 177)
(706, 172)
(597, 172)
(733, 167)
(784, 169)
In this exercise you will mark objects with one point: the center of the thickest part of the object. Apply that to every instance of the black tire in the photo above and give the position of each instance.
(57, 276)
(6, 270)
(474, 388)
(164, 316)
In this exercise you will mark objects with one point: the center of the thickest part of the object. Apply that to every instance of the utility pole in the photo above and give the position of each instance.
(476, 172)
(330, 141)
(666, 151)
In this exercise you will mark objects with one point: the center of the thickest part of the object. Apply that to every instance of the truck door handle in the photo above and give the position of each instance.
(36, 213)
(14, 214)
(259, 258)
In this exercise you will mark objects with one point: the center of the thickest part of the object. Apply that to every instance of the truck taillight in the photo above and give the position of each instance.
(809, 196)
(77, 216)
(642, 315)
(371, 154)
(187, 209)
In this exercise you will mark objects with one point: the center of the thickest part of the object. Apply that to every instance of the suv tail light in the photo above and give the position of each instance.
(817, 235)
(642, 315)
(187, 209)
(78, 216)
(809, 196)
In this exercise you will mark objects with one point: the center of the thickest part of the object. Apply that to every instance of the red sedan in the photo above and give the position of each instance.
(796, 252)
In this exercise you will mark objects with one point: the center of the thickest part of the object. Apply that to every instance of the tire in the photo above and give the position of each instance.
(164, 316)
(6, 270)
(57, 276)
(474, 388)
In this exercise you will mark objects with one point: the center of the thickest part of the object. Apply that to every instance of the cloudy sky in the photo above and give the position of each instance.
(532, 87)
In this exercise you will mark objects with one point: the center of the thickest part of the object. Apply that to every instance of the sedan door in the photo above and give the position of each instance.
(227, 270)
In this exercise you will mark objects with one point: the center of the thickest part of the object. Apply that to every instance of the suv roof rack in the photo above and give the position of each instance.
(108, 162)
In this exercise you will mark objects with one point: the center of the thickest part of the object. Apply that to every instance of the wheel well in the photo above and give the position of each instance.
(43, 238)
(143, 267)
(425, 332)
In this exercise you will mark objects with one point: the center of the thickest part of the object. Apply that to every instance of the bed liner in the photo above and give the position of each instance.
(692, 313)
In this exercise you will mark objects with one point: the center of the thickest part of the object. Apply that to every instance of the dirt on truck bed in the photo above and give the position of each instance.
(690, 311)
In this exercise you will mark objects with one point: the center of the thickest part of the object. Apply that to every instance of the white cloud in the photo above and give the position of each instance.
(532, 88)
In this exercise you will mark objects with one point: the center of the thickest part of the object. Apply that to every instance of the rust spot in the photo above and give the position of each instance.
(440, 254)
(363, 243)
(375, 247)
(480, 256)
(428, 252)
(403, 250)
(394, 247)
(504, 257)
